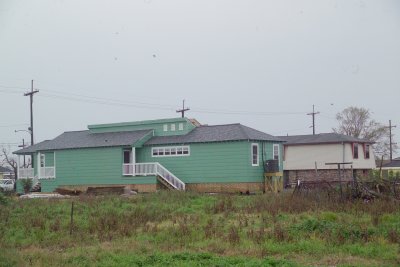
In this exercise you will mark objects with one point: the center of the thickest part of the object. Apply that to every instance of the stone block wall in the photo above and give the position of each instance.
(225, 187)
(292, 176)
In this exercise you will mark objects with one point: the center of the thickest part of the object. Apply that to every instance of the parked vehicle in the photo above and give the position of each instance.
(7, 184)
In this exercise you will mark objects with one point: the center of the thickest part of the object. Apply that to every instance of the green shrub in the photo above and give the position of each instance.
(26, 184)
(3, 199)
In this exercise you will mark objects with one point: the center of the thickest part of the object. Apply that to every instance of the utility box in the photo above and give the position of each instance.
(271, 165)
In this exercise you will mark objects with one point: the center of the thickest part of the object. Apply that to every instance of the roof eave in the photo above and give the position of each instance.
(287, 143)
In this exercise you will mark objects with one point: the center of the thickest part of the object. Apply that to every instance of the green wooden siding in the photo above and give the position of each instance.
(91, 166)
(156, 125)
(223, 162)
(219, 162)
(49, 159)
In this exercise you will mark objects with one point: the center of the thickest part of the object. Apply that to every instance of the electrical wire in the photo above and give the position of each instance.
(12, 125)
(135, 104)
(15, 87)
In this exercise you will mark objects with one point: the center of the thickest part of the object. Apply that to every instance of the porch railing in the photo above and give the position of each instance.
(47, 172)
(153, 168)
(26, 173)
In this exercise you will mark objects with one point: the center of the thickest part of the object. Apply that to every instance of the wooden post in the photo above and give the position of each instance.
(355, 185)
(380, 168)
(72, 218)
(18, 159)
(316, 171)
(339, 173)
(340, 182)
(38, 164)
(133, 160)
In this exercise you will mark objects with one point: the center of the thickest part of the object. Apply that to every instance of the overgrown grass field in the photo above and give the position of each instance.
(188, 229)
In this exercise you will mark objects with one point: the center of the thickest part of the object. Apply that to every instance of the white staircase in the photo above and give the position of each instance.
(154, 168)
(36, 186)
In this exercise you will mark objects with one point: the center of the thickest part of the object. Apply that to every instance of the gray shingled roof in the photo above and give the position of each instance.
(321, 138)
(216, 133)
(85, 139)
(394, 164)
(4, 170)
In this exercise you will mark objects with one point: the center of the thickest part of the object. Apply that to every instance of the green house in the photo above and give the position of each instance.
(177, 153)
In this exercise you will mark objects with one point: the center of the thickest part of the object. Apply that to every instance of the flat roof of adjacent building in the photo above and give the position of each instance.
(322, 138)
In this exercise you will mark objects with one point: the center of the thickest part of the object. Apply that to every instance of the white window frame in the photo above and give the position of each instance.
(42, 160)
(252, 155)
(367, 147)
(276, 146)
(355, 145)
(165, 127)
(180, 125)
(172, 151)
(173, 127)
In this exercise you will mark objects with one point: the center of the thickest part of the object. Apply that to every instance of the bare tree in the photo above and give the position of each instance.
(6, 159)
(357, 122)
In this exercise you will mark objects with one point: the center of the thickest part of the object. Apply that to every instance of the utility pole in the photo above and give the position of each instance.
(23, 146)
(390, 139)
(313, 113)
(30, 94)
(183, 109)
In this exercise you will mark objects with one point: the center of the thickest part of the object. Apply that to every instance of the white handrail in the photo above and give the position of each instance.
(128, 169)
(152, 168)
(169, 177)
(47, 172)
(26, 173)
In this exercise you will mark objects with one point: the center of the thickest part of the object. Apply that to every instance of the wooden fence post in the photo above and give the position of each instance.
(71, 225)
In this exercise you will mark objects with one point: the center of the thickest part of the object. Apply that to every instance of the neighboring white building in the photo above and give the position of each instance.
(5, 173)
(303, 154)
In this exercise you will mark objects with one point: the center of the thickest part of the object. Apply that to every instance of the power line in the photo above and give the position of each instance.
(16, 87)
(260, 113)
(114, 102)
(313, 118)
(62, 94)
(135, 104)
(10, 91)
(103, 102)
(12, 125)
(9, 143)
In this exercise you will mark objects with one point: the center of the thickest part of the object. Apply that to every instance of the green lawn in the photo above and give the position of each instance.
(187, 229)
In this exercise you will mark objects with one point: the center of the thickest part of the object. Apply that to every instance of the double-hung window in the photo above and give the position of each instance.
(254, 155)
(276, 151)
(367, 151)
(355, 151)
(42, 160)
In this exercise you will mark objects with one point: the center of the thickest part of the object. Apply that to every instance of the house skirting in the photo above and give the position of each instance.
(225, 187)
(291, 176)
(141, 188)
(198, 187)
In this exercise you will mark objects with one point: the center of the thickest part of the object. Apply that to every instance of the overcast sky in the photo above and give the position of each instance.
(261, 63)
